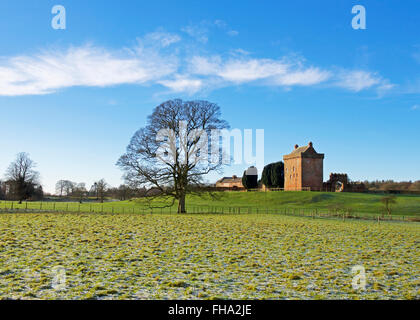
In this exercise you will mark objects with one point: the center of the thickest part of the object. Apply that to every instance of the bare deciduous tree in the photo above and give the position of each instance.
(59, 187)
(171, 154)
(100, 187)
(80, 191)
(65, 187)
(22, 175)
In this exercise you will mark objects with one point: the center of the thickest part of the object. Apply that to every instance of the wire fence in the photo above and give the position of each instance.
(110, 208)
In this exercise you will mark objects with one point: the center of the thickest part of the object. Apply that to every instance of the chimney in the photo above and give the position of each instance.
(310, 144)
(296, 146)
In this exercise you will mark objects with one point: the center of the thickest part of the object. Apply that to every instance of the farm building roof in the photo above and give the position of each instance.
(230, 179)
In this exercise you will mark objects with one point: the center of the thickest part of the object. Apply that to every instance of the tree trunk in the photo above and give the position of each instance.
(181, 204)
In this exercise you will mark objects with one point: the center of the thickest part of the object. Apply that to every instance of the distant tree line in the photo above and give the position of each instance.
(100, 190)
(391, 185)
(21, 183)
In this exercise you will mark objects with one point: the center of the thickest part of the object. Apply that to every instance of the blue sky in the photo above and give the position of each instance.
(297, 69)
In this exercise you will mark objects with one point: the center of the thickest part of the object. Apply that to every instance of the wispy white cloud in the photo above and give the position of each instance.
(198, 32)
(232, 33)
(271, 72)
(220, 23)
(159, 58)
(358, 80)
(223, 25)
(239, 52)
(202, 30)
(304, 77)
(183, 83)
(88, 65)
(161, 37)
(236, 70)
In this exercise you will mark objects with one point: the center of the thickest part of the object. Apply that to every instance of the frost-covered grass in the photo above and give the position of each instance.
(135, 256)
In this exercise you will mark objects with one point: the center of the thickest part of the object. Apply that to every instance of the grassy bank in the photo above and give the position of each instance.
(407, 205)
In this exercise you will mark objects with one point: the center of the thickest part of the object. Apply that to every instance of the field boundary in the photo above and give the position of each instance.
(296, 212)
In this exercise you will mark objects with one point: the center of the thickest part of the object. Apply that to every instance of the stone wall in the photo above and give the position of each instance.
(313, 173)
(339, 182)
(293, 174)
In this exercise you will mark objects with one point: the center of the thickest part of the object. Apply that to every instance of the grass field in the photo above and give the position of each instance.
(407, 205)
(161, 256)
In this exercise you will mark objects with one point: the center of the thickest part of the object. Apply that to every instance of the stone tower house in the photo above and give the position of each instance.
(303, 169)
